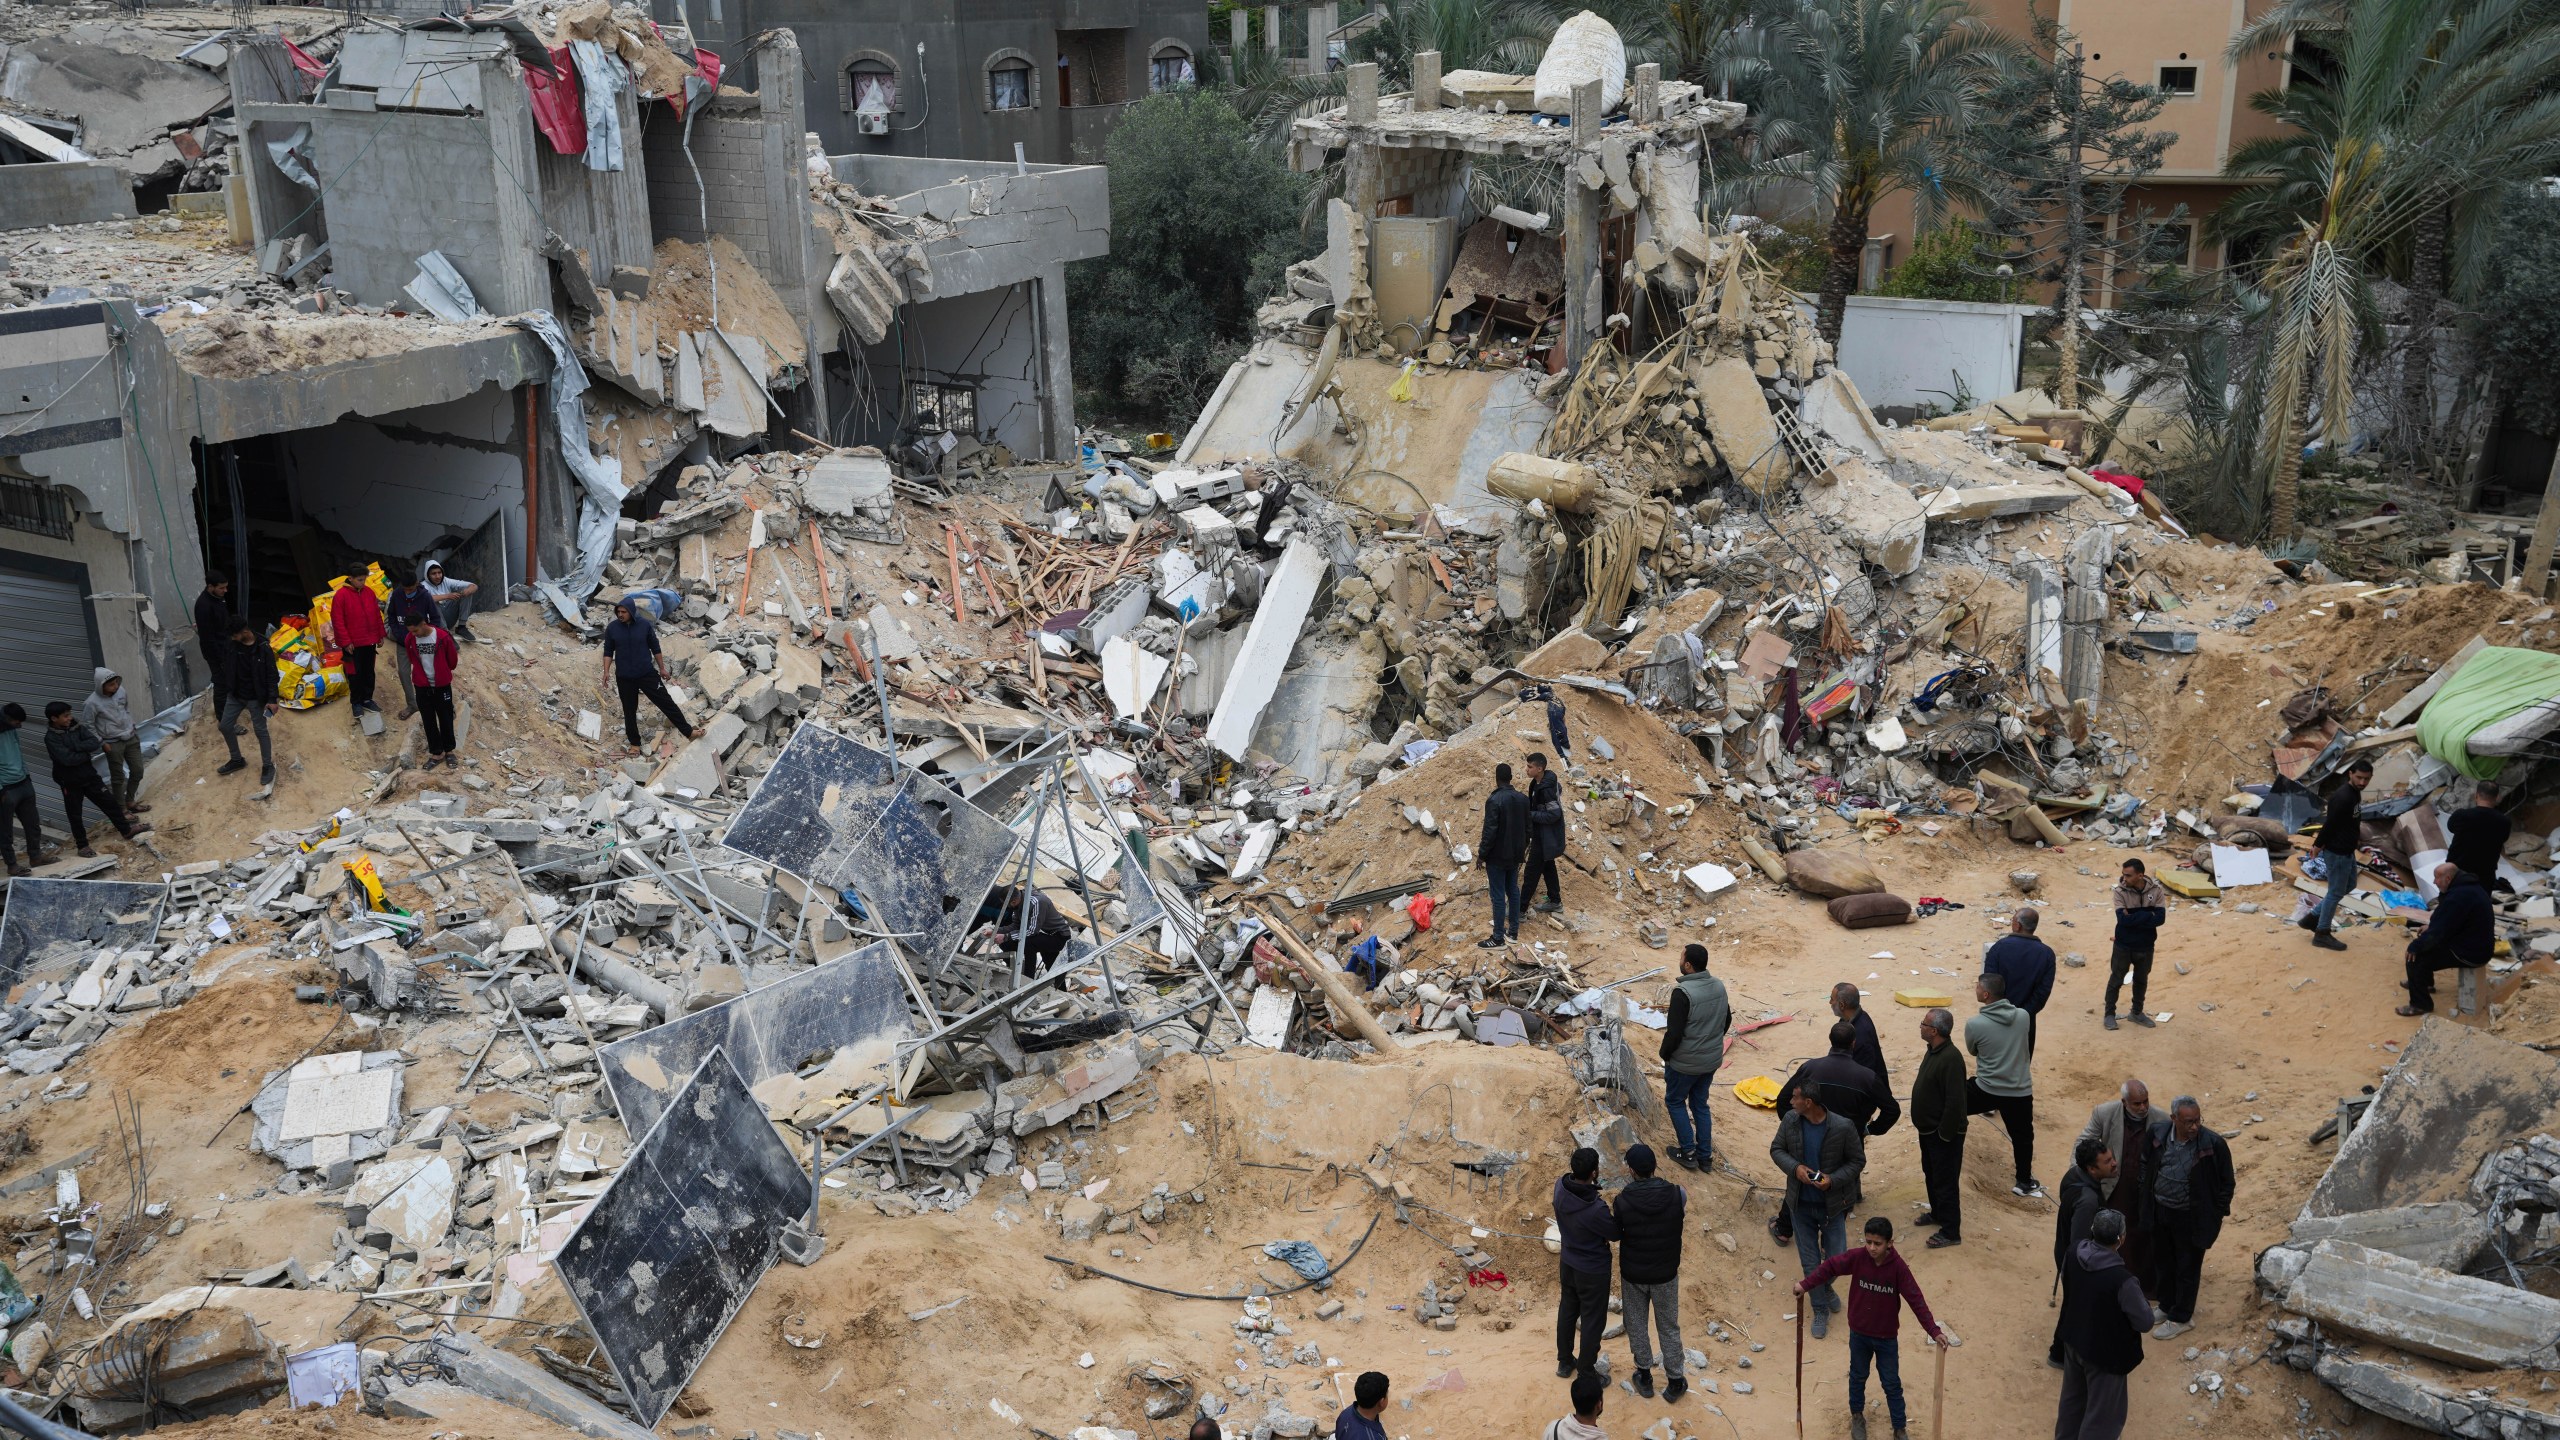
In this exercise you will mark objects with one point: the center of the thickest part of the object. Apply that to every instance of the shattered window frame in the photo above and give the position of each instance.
(941, 403)
(35, 507)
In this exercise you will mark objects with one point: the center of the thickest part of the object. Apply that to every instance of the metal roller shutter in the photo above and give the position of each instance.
(45, 654)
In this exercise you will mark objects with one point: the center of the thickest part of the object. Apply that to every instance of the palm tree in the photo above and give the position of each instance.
(2434, 108)
(1859, 99)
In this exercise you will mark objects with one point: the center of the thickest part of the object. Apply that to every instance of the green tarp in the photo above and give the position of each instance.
(2497, 683)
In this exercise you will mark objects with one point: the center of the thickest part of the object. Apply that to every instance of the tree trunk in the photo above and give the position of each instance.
(1847, 242)
(2417, 409)
(2284, 489)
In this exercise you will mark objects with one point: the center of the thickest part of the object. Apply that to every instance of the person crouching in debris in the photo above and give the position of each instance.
(355, 627)
(2460, 935)
(1359, 1419)
(453, 601)
(251, 691)
(637, 667)
(1585, 1228)
(1014, 917)
(1502, 845)
(18, 796)
(2142, 907)
(430, 649)
(1546, 835)
(1879, 1285)
(75, 752)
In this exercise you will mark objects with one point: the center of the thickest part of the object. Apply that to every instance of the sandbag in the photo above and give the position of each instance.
(1865, 912)
(1585, 48)
(1829, 873)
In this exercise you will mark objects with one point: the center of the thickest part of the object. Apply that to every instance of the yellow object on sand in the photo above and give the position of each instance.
(1759, 1092)
(1923, 999)
(2193, 884)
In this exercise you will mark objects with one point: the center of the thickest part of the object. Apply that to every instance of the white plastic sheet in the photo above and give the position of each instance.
(1585, 48)
(600, 78)
(599, 479)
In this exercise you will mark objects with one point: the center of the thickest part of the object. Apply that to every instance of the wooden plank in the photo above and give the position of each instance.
(2407, 707)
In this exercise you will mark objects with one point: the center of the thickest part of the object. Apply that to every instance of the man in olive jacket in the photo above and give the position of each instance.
(1938, 1113)
(1692, 1051)
(1822, 1155)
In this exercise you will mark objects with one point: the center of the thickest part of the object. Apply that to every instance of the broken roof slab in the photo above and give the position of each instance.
(1687, 116)
(993, 225)
(2457, 1097)
(433, 369)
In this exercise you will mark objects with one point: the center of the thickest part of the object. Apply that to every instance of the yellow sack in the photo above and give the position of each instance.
(304, 683)
(1402, 391)
(1759, 1092)
(362, 868)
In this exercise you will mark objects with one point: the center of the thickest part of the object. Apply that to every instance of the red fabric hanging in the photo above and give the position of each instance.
(557, 109)
(302, 60)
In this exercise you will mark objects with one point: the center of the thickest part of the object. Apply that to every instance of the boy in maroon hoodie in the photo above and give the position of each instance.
(1879, 1283)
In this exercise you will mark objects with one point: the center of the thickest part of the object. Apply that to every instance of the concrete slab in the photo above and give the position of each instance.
(2457, 1097)
(1286, 598)
(2445, 1234)
(1833, 406)
(2477, 1324)
(1875, 513)
(1737, 415)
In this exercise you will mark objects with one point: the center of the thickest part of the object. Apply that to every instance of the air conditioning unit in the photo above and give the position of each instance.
(870, 122)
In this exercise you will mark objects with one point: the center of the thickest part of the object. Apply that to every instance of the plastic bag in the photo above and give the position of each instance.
(1419, 911)
(1585, 47)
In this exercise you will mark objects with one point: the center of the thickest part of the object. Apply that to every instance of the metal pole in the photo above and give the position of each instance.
(1075, 862)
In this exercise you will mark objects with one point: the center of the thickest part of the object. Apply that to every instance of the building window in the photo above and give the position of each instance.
(1093, 67)
(953, 408)
(2177, 80)
(1010, 82)
(1170, 69)
(2171, 242)
(870, 85)
(34, 506)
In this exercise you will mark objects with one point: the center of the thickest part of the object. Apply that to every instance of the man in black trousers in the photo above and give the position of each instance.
(213, 633)
(2191, 1189)
(1587, 1227)
(1501, 847)
(1546, 836)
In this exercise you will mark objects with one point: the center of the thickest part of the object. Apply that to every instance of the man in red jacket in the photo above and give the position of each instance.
(355, 627)
(430, 650)
(1879, 1283)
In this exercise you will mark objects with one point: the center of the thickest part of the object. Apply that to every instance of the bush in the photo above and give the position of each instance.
(1203, 223)
(1948, 263)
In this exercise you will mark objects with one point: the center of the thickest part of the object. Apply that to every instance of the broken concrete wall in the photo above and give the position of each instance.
(987, 343)
(1926, 352)
(395, 484)
(126, 101)
(2457, 1097)
(71, 192)
(602, 213)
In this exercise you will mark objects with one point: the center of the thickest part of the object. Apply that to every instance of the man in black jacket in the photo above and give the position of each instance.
(2142, 906)
(1546, 835)
(1938, 1112)
(1824, 1158)
(1502, 845)
(2341, 835)
(2477, 836)
(2092, 1165)
(251, 692)
(1585, 1230)
(213, 633)
(2103, 1317)
(2191, 1188)
(74, 752)
(1650, 1212)
(2459, 936)
(2025, 965)
(1867, 1050)
(1854, 1092)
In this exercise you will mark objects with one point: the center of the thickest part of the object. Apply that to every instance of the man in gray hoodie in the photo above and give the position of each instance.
(2000, 1039)
(1586, 1227)
(107, 717)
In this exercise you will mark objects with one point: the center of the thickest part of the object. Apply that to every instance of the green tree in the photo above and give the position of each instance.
(1947, 264)
(2060, 153)
(2431, 106)
(1203, 223)
(1859, 100)
(2520, 307)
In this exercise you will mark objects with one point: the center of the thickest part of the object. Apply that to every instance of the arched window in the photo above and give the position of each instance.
(1169, 67)
(869, 85)
(1011, 82)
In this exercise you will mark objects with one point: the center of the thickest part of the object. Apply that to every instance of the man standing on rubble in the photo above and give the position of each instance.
(251, 691)
(1650, 1213)
(430, 650)
(1938, 1113)
(637, 666)
(2092, 1165)
(2460, 935)
(2025, 963)
(1502, 845)
(213, 633)
(2103, 1317)
(410, 601)
(1586, 1228)
(2477, 836)
(355, 626)
(1693, 1040)
(110, 718)
(453, 601)
(2142, 907)
(2191, 1189)
(2341, 835)
(74, 752)
(2124, 1126)
(2002, 1049)
(1822, 1155)
(1546, 834)
(18, 796)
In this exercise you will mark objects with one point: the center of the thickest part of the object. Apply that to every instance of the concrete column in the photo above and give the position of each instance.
(1239, 31)
(1581, 232)
(1271, 28)
(1362, 93)
(1644, 98)
(1320, 22)
(791, 236)
(1426, 80)
(1057, 375)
